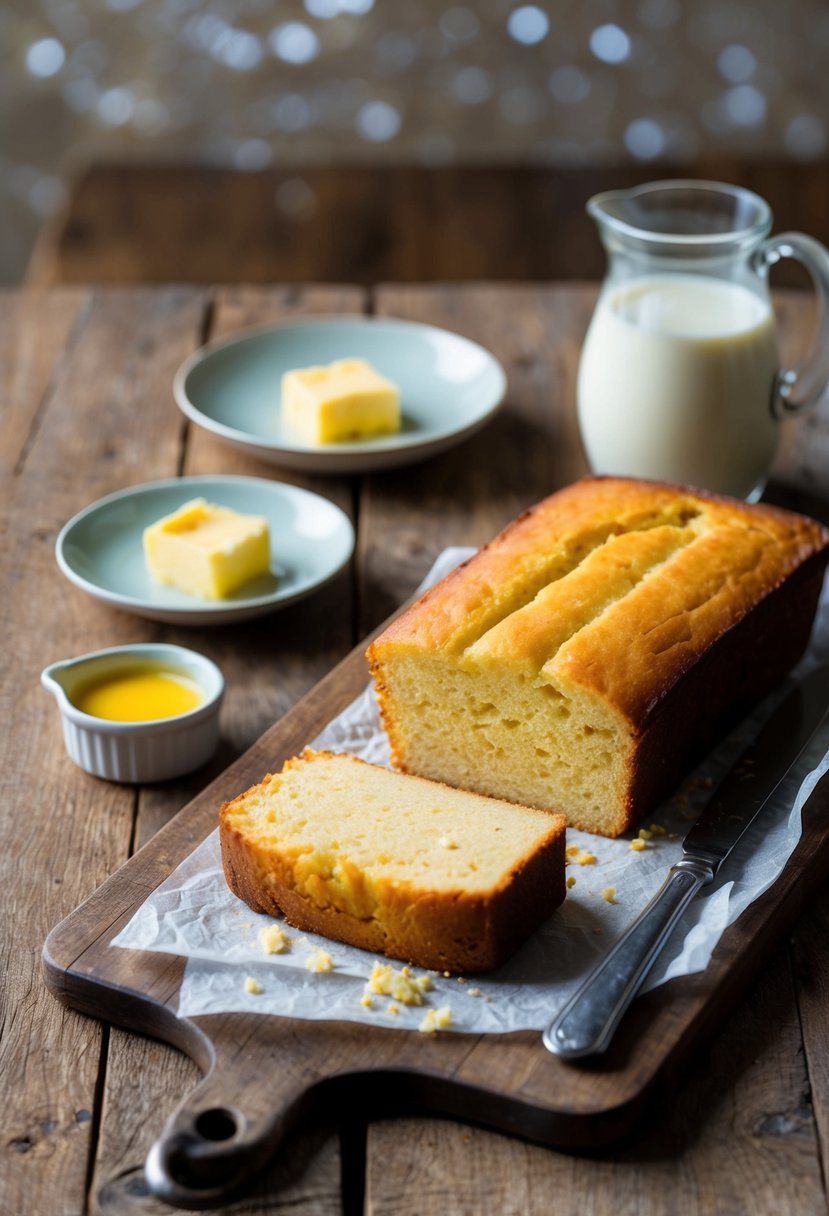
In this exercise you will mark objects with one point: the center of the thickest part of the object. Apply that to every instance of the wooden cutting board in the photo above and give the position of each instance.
(262, 1074)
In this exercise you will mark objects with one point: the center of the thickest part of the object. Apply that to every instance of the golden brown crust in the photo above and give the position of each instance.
(645, 643)
(459, 935)
(445, 930)
(669, 610)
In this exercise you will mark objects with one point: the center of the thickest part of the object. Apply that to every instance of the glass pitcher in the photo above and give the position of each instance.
(680, 377)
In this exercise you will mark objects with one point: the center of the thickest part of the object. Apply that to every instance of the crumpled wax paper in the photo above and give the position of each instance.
(194, 914)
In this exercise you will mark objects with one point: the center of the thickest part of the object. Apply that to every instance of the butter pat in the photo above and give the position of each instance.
(207, 550)
(346, 400)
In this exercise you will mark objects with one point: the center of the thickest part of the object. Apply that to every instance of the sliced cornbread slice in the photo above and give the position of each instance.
(348, 399)
(392, 863)
(207, 550)
(595, 647)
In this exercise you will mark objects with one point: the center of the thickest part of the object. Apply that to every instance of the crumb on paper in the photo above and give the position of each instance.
(402, 985)
(446, 842)
(461, 979)
(274, 940)
(609, 895)
(320, 961)
(367, 1001)
(474, 992)
(645, 834)
(394, 1010)
(658, 830)
(581, 857)
(436, 1019)
(638, 845)
(447, 975)
(252, 986)
(571, 882)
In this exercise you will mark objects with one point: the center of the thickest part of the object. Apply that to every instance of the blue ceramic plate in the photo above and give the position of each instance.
(449, 388)
(101, 551)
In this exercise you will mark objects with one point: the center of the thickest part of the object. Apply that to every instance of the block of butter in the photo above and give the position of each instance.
(207, 550)
(345, 400)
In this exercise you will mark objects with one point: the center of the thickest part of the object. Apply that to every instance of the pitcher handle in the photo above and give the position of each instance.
(799, 387)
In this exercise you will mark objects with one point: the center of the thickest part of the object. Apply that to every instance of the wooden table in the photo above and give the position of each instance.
(87, 409)
(162, 223)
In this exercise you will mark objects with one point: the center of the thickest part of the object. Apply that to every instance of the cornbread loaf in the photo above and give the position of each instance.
(581, 660)
(391, 863)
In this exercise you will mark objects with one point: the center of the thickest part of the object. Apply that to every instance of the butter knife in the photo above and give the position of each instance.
(587, 1023)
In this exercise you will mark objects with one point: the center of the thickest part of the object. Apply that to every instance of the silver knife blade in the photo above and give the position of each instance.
(587, 1023)
(751, 782)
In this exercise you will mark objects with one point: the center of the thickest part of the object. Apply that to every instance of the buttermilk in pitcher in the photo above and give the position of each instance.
(676, 382)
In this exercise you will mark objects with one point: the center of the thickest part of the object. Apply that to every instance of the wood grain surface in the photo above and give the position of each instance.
(87, 389)
(157, 223)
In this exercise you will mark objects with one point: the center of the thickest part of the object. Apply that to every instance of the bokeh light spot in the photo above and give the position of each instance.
(610, 43)
(378, 121)
(645, 139)
(294, 42)
(45, 57)
(805, 136)
(736, 63)
(528, 24)
(745, 105)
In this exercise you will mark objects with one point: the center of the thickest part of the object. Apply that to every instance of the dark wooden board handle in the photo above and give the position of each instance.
(222, 1134)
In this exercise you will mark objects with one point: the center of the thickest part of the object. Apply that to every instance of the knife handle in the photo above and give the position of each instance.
(588, 1021)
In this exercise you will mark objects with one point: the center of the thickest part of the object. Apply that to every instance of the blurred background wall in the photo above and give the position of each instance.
(264, 85)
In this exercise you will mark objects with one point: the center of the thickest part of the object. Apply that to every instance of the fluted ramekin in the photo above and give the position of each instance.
(138, 752)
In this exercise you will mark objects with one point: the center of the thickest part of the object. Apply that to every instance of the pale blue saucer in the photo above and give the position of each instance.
(100, 550)
(449, 388)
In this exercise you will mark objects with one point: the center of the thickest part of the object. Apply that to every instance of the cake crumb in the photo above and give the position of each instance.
(252, 986)
(571, 882)
(658, 830)
(588, 859)
(436, 1019)
(446, 842)
(609, 895)
(447, 975)
(401, 985)
(320, 961)
(380, 979)
(274, 940)
(394, 1010)
(572, 851)
(367, 1001)
(638, 845)
(645, 834)
(461, 979)
(474, 992)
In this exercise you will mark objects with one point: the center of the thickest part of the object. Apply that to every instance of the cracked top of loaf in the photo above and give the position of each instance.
(612, 586)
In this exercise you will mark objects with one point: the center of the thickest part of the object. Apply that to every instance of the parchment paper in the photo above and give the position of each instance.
(194, 914)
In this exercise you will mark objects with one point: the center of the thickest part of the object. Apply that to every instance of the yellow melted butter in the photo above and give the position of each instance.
(139, 696)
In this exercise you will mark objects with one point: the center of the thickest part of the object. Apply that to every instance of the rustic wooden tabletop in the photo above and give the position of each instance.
(87, 409)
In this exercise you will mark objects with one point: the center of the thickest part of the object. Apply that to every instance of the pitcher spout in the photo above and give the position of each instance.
(694, 216)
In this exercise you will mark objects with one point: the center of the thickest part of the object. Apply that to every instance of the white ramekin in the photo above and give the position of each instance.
(138, 751)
